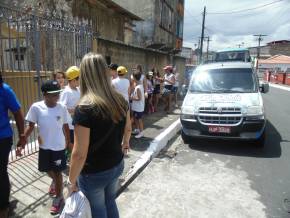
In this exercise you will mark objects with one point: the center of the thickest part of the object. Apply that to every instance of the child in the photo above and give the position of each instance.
(122, 84)
(175, 87)
(59, 76)
(70, 97)
(157, 79)
(148, 103)
(138, 103)
(51, 118)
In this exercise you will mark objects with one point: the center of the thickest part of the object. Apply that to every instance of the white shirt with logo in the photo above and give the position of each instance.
(70, 98)
(50, 123)
(122, 85)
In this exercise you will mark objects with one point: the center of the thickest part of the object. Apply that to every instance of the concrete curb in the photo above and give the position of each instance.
(155, 147)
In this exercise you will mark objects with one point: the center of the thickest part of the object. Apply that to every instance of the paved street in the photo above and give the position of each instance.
(218, 179)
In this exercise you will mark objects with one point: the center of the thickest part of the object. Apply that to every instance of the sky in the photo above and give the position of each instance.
(229, 28)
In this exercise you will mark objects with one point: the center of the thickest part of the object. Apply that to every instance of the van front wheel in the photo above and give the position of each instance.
(186, 139)
(260, 142)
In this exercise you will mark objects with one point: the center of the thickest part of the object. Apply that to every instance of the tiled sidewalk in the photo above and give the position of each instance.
(29, 186)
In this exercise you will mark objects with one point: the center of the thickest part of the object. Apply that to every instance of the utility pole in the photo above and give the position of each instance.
(207, 47)
(258, 49)
(202, 35)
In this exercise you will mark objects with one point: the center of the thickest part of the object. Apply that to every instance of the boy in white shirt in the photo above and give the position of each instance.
(122, 84)
(51, 118)
(138, 104)
(70, 97)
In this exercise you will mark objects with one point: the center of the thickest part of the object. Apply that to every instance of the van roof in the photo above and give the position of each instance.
(233, 49)
(219, 65)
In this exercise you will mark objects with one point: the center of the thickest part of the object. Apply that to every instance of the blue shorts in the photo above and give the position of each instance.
(174, 89)
(137, 115)
(49, 160)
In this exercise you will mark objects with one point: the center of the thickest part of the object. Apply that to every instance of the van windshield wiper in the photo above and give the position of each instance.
(233, 91)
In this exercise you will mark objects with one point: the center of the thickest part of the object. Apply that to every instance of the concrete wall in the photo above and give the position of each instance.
(283, 49)
(131, 56)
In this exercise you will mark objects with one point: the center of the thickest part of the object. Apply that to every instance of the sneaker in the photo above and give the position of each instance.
(56, 206)
(140, 135)
(135, 132)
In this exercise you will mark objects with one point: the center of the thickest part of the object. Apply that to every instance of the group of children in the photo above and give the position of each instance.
(144, 91)
(53, 115)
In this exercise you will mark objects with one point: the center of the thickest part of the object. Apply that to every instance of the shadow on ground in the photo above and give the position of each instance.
(272, 148)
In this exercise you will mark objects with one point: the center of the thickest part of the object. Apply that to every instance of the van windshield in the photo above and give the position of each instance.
(232, 56)
(224, 81)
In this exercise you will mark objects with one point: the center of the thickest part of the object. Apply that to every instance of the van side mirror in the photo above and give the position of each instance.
(183, 90)
(264, 87)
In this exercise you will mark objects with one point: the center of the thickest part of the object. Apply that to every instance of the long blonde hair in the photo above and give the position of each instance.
(97, 91)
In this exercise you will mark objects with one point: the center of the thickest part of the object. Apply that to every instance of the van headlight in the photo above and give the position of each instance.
(255, 111)
(187, 113)
(187, 110)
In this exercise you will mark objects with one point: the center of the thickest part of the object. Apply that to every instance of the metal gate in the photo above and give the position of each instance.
(33, 45)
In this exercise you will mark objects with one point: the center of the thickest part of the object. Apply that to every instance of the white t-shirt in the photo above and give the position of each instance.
(122, 85)
(70, 98)
(176, 84)
(141, 78)
(50, 124)
(168, 77)
(138, 106)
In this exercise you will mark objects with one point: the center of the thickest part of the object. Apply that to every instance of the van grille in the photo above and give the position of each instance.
(228, 116)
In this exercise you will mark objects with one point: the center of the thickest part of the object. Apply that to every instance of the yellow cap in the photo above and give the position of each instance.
(122, 70)
(72, 73)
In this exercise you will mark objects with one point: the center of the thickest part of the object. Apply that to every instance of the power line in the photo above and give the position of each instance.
(244, 10)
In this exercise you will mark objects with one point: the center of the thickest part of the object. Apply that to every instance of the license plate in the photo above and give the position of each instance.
(219, 129)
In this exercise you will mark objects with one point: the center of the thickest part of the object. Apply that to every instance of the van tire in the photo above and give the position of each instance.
(260, 142)
(186, 139)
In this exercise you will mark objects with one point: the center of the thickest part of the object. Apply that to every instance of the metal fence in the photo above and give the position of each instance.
(32, 46)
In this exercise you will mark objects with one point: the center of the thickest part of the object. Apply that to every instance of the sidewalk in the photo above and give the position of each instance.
(29, 186)
(280, 86)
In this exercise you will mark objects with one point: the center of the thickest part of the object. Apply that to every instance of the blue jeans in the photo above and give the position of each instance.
(100, 189)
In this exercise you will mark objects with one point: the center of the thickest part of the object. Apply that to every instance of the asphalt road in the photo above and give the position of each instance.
(217, 178)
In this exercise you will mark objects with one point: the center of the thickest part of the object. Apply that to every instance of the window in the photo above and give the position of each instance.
(179, 28)
(224, 81)
(166, 16)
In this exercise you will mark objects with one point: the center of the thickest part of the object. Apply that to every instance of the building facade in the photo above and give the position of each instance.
(189, 54)
(104, 26)
(281, 47)
(162, 27)
(38, 37)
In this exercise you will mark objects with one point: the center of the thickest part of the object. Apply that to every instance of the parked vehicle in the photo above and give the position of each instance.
(233, 54)
(224, 101)
(189, 69)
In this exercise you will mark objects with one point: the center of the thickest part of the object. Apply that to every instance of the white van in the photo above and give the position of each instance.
(224, 101)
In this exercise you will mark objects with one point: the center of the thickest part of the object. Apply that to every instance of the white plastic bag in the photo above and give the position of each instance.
(76, 206)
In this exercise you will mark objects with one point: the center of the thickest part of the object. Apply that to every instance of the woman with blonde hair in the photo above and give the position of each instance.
(102, 133)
